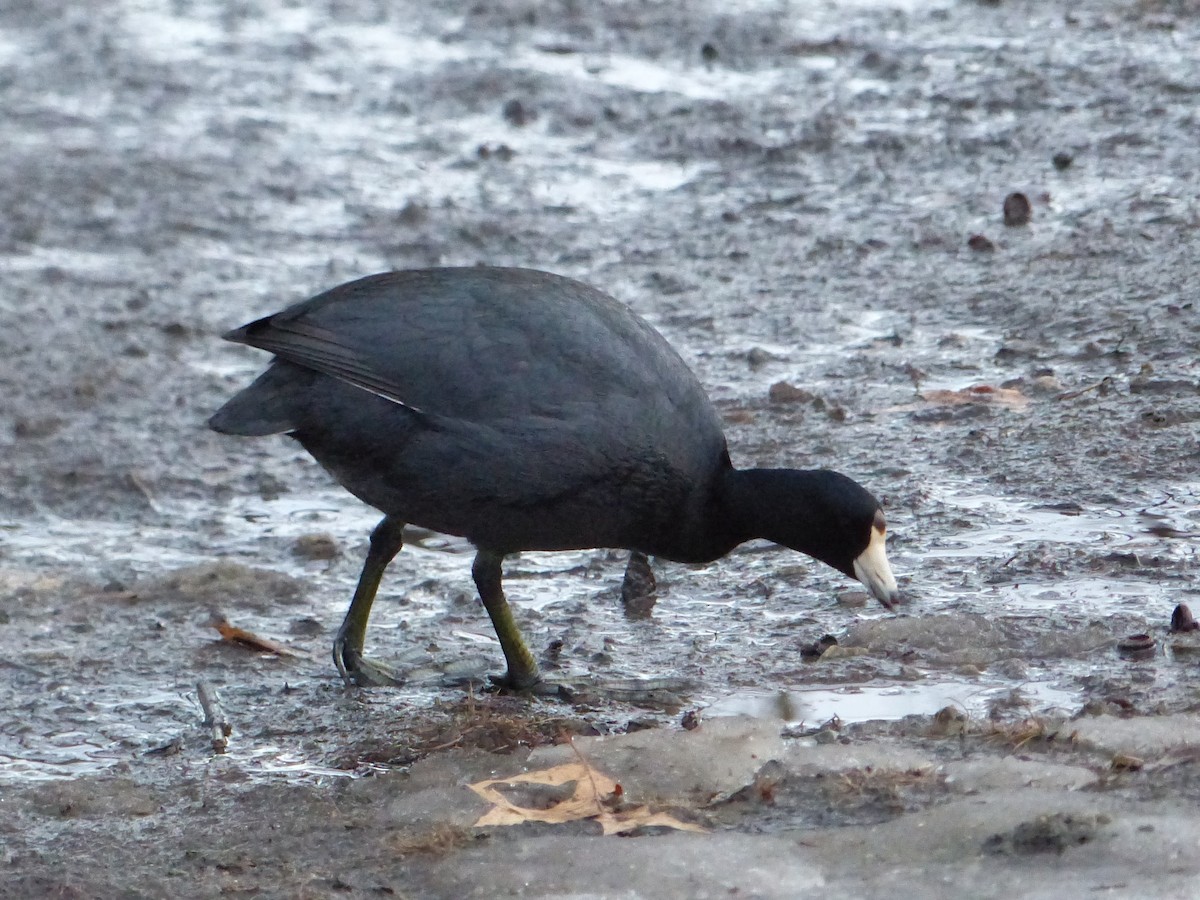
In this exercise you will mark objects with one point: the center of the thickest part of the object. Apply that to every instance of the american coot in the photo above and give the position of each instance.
(525, 411)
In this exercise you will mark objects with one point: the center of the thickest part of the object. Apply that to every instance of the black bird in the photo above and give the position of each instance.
(525, 411)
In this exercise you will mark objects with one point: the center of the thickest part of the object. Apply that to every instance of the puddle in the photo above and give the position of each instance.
(813, 706)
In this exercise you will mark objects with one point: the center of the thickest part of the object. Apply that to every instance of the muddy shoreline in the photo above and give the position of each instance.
(790, 194)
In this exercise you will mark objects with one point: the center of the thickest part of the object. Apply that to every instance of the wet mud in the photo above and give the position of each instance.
(815, 204)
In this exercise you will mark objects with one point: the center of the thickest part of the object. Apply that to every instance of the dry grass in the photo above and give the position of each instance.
(437, 841)
(496, 724)
(492, 723)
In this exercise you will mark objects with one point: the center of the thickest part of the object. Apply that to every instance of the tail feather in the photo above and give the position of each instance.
(273, 404)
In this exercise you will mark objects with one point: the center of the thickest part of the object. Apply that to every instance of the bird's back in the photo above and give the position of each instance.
(512, 406)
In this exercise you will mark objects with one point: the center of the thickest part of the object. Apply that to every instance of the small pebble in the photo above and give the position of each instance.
(1017, 210)
(515, 113)
(818, 648)
(1062, 160)
(315, 546)
(980, 244)
(1136, 646)
(1124, 762)
(758, 357)
(853, 599)
(782, 392)
(1183, 620)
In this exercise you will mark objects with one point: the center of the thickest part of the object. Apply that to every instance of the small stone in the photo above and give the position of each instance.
(1124, 762)
(502, 152)
(306, 627)
(757, 356)
(948, 721)
(1136, 646)
(1062, 160)
(515, 113)
(783, 392)
(1017, 210)
(980, 244)
(817, 649)
(853, 599)
(315, 547)
(1183, 620)
(1044, 384)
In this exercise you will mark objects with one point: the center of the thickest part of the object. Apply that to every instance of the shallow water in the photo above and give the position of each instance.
(813, 707)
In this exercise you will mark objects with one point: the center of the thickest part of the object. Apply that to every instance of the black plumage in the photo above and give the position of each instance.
(525, 411)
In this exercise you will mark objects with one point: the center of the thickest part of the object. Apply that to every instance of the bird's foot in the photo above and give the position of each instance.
(359, 671)
(535, 686)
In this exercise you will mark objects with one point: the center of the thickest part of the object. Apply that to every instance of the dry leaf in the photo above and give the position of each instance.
(592, 798)
(979, 393)
(236, 635)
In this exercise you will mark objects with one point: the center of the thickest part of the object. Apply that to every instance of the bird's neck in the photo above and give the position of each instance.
(787, 506)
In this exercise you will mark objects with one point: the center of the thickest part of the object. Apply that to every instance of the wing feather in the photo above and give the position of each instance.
(321, 349)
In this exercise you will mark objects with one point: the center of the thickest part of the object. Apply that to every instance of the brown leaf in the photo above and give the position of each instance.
(978, 393)
(249, 639)
(593, 793)
(633, 819)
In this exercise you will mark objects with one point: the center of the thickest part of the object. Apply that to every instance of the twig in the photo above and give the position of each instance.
(1102, 385)
(214, 716)
(144, 489)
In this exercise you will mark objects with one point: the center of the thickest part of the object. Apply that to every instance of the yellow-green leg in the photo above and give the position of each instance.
(522, 671)
(386, 541)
